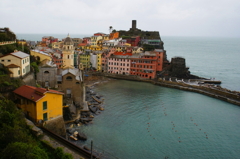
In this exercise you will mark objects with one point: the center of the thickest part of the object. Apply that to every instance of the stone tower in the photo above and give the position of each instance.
(68, 53)
(134, 24)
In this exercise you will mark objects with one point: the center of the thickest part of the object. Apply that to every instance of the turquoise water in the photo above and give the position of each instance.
(142, 120)
(209, 57)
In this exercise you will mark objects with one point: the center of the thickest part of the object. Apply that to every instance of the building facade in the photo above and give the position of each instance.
(17, 62)
(39, 104)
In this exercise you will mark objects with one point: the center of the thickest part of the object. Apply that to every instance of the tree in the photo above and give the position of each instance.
(110, 29)
(59, 154)
(22, 150)
(147, 47)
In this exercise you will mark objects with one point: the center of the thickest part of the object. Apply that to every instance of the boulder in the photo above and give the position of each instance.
(81, 136)
(93, 109)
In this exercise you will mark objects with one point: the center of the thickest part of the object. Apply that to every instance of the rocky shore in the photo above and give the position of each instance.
(94, 104)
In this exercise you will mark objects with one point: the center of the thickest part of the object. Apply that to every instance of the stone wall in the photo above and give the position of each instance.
(47, 76)
(56, 125)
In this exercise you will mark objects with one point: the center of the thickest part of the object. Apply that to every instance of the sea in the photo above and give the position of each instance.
(142, 120)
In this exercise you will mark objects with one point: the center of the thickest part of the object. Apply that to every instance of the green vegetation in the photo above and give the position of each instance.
(126, 37)
(6, 82)
(147, 47)
(34, 65)
(6, 35)
(16, 139)
(6, 49)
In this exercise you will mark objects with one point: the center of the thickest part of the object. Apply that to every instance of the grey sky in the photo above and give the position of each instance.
(169, 17)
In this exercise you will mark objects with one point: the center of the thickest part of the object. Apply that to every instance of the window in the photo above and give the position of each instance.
(44, 105)
(2, 60)
(9, 60)
(23, 61)
(69, 78)
(18, 72)
(46, 72)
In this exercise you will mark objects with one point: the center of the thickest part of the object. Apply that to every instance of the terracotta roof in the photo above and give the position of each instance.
(123, 53)
(12, 66)
(33, 93)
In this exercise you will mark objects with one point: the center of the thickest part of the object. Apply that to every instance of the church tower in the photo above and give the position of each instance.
(68, 53)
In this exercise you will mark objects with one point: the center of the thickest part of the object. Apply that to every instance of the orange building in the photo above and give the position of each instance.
(146, 65)
(114, 35)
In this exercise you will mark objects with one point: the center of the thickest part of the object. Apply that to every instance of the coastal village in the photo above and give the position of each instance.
(55, 74)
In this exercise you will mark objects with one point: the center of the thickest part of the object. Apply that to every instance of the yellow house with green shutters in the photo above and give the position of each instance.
(85, 60)
(39, 104)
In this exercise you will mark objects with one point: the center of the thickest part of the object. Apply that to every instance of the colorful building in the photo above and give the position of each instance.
(119, 63)
(99, 62)
(85, 59)
(134, 41)
(146, 65)
(40, 55)
(39, 104)
(114, 35)
(17, 62)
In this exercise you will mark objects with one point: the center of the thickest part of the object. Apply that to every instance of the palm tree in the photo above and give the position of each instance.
(110, 29)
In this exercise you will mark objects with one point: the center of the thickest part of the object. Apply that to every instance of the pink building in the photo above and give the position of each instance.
(119, 63)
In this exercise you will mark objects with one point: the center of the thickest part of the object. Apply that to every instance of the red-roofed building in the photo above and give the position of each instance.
(39, 104)
(123, 53)
(134, 41)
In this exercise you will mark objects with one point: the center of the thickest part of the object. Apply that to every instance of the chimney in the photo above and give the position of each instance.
(32, 97)
(134, 24)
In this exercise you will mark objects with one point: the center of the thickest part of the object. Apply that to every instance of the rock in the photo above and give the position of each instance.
(36, 131)
(75, 133)
(93, 109)
(101, 108)
(70, 130)
(74, 138)
(81, 136)
(71, 126)
(86, 119)
(76, 121)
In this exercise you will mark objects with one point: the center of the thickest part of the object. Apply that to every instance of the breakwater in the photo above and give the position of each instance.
(209, 90)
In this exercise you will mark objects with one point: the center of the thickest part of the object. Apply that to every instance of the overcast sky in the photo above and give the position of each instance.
(169, 17)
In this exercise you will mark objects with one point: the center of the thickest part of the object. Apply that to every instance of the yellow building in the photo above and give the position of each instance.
(57, 45)
(137, 50)
(85, 60)
(22, 42)
(96, 43)
(40, 55)
(17, 62)
(99, 61)
(68, 53)
(39, 104)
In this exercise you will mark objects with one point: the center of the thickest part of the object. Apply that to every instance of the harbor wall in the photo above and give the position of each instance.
(215, 92)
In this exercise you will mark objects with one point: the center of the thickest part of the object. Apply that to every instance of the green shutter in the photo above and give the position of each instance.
(45, 105)
(45, 117)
